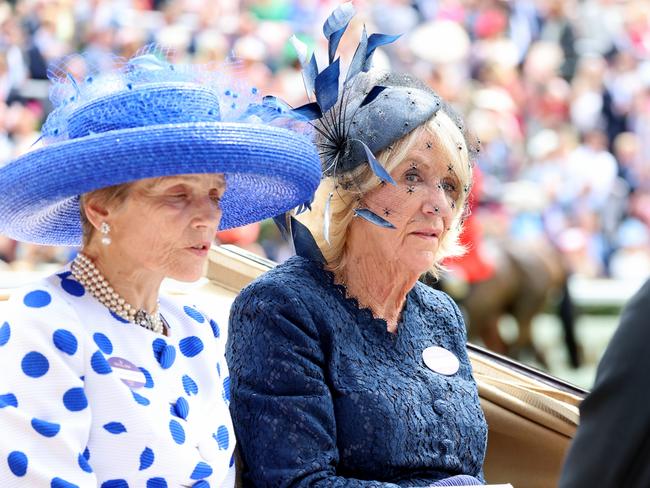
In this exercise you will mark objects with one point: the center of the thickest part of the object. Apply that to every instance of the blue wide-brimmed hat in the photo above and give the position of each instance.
(149, 118)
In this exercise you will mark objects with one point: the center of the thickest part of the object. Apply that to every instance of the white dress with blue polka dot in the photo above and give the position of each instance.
(88, 400)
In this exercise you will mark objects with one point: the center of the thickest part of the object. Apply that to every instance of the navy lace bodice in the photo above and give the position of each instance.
(324, 396)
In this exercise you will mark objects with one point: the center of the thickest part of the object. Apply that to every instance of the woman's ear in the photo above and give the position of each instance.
(96, 212)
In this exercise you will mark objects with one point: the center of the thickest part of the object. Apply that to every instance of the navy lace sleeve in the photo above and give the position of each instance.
(323, 396)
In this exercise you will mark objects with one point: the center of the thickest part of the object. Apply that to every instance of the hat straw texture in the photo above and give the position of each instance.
(154, 127)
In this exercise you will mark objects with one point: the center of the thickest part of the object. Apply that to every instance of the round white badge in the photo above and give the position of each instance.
(440, 360)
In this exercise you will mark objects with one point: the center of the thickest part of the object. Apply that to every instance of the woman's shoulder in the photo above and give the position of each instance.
(438, 309)
(54, 292)
(294, 277)
(432, 299)
(43, 315)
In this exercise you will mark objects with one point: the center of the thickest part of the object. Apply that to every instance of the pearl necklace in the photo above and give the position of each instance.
(85, 271)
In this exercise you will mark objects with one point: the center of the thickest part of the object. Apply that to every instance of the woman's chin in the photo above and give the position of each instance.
(420, 263)
(188, 274)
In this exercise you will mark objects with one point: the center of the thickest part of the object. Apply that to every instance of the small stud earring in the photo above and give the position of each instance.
(105, 229)
(436, 209)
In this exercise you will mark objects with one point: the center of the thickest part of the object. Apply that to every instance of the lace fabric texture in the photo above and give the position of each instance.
(323, 395)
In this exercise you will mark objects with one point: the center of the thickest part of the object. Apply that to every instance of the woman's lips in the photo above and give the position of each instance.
(426, 237)
(426, 234)
(200, 249)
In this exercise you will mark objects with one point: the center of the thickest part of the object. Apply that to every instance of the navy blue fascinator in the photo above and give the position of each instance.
(148, 118)
(360, 113)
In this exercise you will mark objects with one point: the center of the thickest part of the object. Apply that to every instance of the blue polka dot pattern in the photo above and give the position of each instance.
(75, 399)
(46, 429)
(73, 287)
(86, 454)
(99, 363)
(118, 318)
(178, 434)
(83, 464)
(201, 484)
(115, 427)
(158, 345)
(232, 461)
(8, 400)
(219, 370)
(202, 470)
(194, 313)
(17, 463)
(164, 353)
(64, 274)
(115, 484)
(167, 357)
(37, 299)
(156, 483)
(148, 378)
(222, 437)
(5, 333)
(146, 458)
(226, 388)
(215, 329)
(65, 341)
(34, 364)
(140, 399)
(59, 483)
(181, 408)
(190, 346)
(190, 386)
(103, 343)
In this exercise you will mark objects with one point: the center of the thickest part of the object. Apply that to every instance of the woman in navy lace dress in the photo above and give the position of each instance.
(346, 371)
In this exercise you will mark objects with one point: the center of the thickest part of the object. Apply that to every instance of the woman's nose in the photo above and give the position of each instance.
(436, 202)
(207, 213)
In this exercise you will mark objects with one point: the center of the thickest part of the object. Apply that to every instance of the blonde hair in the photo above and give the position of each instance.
(344, 200)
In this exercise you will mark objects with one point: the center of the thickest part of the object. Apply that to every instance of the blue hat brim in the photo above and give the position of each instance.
(268, 170)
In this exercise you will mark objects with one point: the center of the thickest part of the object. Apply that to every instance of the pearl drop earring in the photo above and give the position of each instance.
(105, 229)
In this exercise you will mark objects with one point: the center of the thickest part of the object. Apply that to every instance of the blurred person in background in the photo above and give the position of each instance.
(462, 49)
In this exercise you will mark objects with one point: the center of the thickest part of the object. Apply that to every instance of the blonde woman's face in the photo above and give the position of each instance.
(166, 225)
(421, 207)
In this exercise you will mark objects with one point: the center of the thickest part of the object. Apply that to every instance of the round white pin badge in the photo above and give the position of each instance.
(440, 360)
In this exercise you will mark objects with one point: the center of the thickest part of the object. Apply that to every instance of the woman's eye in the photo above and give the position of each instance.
(412, 177)
(448, 186)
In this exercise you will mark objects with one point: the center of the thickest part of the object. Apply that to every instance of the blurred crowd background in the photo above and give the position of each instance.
(558, 92)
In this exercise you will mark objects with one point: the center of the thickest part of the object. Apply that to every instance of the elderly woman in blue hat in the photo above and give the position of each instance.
(106, 382)
(346, 371)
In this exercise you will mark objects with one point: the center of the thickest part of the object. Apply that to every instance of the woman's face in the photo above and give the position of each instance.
(166, 225)
(421, 207)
